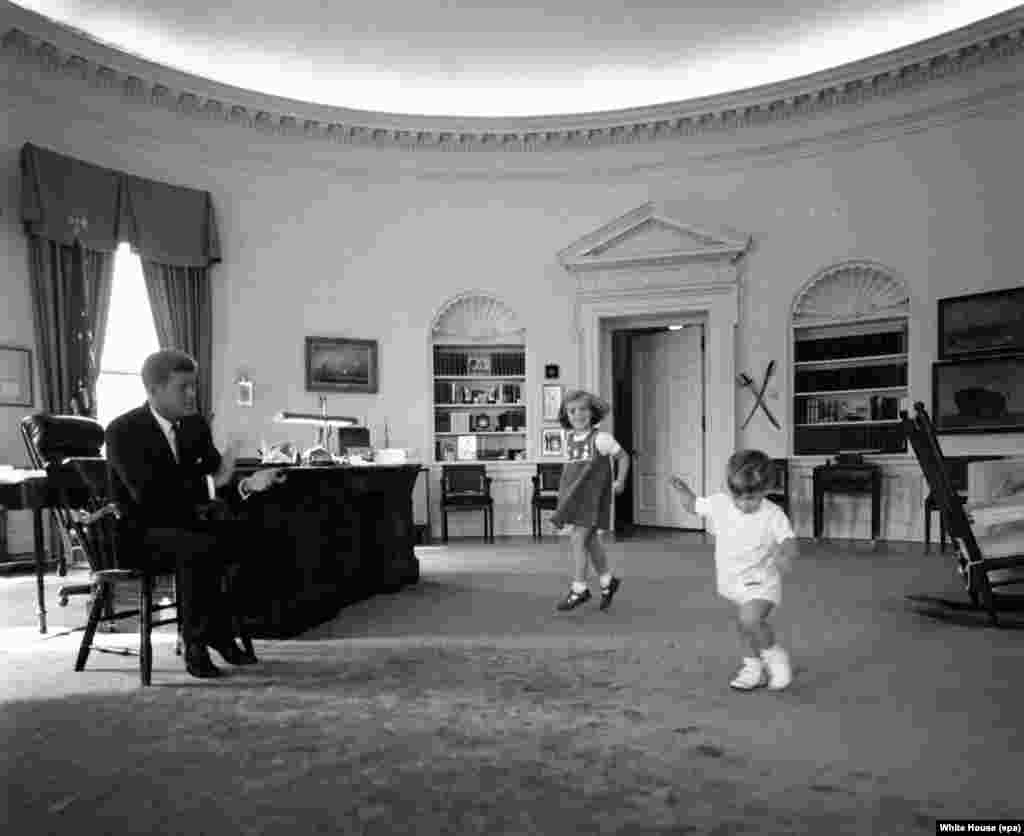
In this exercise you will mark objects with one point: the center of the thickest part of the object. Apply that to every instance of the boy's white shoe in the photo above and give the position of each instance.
(750, 676)
(780, 674)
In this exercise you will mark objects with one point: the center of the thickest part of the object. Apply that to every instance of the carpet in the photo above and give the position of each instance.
(424, 739)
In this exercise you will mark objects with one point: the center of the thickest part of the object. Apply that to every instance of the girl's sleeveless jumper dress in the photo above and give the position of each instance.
(585, 491)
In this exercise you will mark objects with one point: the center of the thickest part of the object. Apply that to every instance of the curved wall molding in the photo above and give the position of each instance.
(999, 39)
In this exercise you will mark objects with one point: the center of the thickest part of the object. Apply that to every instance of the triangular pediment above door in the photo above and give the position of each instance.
(649, 236)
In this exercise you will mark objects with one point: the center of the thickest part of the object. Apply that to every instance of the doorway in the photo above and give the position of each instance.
(659, 416)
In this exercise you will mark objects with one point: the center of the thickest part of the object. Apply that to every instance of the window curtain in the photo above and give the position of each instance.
(75, 214)
(70, 302)
(182, 310)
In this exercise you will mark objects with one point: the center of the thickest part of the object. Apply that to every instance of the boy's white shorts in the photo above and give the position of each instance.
(761, 585)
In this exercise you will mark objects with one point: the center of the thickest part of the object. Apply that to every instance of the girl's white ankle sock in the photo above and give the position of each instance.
(606, 579)
(578, 587)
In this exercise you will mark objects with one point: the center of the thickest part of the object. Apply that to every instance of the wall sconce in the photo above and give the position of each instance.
(244, 390)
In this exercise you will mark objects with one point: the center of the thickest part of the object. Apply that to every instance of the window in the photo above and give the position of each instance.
(131, 337)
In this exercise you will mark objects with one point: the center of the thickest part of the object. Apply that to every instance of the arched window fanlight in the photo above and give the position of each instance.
(851, 290)
(477, 316)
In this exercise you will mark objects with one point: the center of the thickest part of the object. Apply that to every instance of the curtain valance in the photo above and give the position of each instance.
(64, 199)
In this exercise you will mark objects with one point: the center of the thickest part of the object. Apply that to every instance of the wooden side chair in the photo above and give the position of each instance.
(983, 562)
(466, 487)
(545, 493)
(779, 492)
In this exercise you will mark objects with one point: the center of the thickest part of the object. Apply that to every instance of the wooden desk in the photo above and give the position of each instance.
(33, 495)
(327, 537)
(848, 478)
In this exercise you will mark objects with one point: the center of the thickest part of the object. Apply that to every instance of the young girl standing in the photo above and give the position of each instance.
(589, 479)
(754, 543)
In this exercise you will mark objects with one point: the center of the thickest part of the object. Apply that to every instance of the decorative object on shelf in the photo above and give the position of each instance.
(511, 421)
(479, 364)
(339, 364)
(982, 324)
(481, 422)
(745, 381)
(551, 371)
(466, 448)
(551, 398)
(552, 441)
(447, 450)
(979, 395)
(15, 376)
(244, 391)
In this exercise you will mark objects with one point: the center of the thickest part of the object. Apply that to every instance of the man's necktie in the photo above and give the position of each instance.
(173, 439)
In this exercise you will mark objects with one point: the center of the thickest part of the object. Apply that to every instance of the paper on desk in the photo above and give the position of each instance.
(15, 475)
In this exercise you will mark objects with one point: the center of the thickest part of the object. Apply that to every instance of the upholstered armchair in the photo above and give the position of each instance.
(987, 481)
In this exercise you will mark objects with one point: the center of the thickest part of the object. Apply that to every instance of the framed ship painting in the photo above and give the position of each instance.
(982, 324)
(338, 364)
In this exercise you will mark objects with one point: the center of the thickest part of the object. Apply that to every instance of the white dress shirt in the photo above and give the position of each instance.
(168, 430)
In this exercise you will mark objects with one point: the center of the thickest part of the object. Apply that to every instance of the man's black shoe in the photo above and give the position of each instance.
(233, 654)
(198, 662)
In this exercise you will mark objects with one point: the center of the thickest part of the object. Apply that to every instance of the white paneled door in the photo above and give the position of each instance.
(668, 423)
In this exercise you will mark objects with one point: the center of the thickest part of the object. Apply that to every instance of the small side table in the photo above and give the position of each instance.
(848, 478)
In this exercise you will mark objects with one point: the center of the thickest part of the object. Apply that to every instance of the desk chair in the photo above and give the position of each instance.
(545, 493)
(983, 562)
(779, 491)
(87, 512)
(466, 487)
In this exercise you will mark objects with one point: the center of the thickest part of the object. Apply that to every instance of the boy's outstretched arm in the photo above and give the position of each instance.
(687, 497)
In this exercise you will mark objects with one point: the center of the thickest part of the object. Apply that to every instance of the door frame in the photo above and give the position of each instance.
(640, 324)
(716, 298)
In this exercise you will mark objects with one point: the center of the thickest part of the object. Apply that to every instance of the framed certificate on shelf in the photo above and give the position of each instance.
(466, 448)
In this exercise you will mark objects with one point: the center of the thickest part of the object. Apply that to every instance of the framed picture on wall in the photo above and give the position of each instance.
(982, 324)
(15, 376)
(551, 398)
(338, 364)
(979, 395)
(552, 441)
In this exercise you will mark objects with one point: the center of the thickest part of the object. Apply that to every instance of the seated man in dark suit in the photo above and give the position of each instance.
(162, 459)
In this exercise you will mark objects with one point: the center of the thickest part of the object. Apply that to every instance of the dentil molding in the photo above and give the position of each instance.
(999, 39)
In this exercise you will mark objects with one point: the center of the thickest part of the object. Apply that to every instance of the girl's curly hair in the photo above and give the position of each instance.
(599, 407)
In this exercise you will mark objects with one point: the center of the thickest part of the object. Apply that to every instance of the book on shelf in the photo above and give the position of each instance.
(848, 408)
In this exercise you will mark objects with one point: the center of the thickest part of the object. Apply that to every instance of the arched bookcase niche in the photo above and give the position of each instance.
(850, 325)
(478, 367)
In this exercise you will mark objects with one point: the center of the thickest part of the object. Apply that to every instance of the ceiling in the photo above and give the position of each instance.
(507, 57)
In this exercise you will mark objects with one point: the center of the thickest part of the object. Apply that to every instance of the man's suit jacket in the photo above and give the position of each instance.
(152, 488)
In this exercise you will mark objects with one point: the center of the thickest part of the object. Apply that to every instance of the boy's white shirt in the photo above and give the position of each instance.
(742, 541)
(604, 442)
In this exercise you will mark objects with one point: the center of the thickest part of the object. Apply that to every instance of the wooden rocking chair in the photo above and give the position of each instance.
(983, 561)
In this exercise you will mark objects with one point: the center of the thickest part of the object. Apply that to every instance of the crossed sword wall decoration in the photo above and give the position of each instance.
(745, 381)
